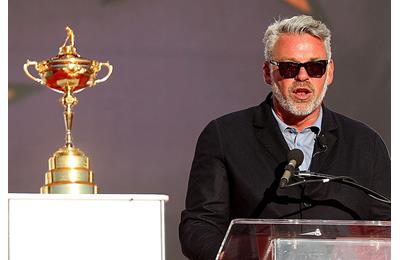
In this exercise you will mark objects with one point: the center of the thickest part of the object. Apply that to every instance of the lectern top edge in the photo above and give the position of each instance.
(136, 197)
(309, 222)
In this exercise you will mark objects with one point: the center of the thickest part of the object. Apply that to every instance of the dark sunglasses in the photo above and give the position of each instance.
(288, 70)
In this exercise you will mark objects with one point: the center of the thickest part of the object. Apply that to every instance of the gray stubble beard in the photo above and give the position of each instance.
(292, 107)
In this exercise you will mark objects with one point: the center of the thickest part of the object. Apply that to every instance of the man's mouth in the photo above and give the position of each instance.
(302, 93)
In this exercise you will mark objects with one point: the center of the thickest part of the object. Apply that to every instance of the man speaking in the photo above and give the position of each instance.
(240, 158)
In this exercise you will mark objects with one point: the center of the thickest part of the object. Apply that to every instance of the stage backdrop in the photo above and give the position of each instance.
(177, 65)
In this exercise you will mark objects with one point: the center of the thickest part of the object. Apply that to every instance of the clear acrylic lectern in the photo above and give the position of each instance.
(306, 239)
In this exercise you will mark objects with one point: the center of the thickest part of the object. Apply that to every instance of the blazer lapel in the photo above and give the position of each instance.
(329, 127)
(268, 132)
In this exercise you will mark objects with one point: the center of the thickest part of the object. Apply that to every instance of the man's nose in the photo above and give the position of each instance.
(302, 75)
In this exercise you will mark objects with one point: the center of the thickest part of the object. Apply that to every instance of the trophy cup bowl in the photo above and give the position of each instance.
(67, 73)
(67, 69)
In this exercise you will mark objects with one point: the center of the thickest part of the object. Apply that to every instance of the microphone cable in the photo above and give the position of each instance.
(325, 178)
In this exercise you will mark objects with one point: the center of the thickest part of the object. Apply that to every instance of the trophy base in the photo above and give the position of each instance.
(69, 173)
(69, 188)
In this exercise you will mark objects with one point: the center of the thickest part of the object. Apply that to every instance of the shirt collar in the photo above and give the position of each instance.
(317, 124)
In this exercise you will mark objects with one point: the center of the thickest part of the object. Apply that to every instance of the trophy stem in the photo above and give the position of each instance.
(68, 101)
(68, 116)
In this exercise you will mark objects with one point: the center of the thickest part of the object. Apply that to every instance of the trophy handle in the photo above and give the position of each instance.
(26, 65)
(110, 69)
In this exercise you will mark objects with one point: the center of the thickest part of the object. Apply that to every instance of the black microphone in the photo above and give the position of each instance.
(321, 139)
(295, 159)
(322, 144)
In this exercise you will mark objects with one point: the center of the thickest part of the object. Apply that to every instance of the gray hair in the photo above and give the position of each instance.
(297, 25)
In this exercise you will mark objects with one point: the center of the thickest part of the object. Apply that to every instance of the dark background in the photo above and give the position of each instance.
(177, 65)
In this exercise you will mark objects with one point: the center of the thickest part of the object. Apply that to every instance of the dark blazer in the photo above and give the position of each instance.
(239, 160)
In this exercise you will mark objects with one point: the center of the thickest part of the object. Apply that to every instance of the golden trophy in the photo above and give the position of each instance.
(68, 73)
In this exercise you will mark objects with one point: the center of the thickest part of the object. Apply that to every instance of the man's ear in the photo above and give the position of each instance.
(330, 69)
(267, 73)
